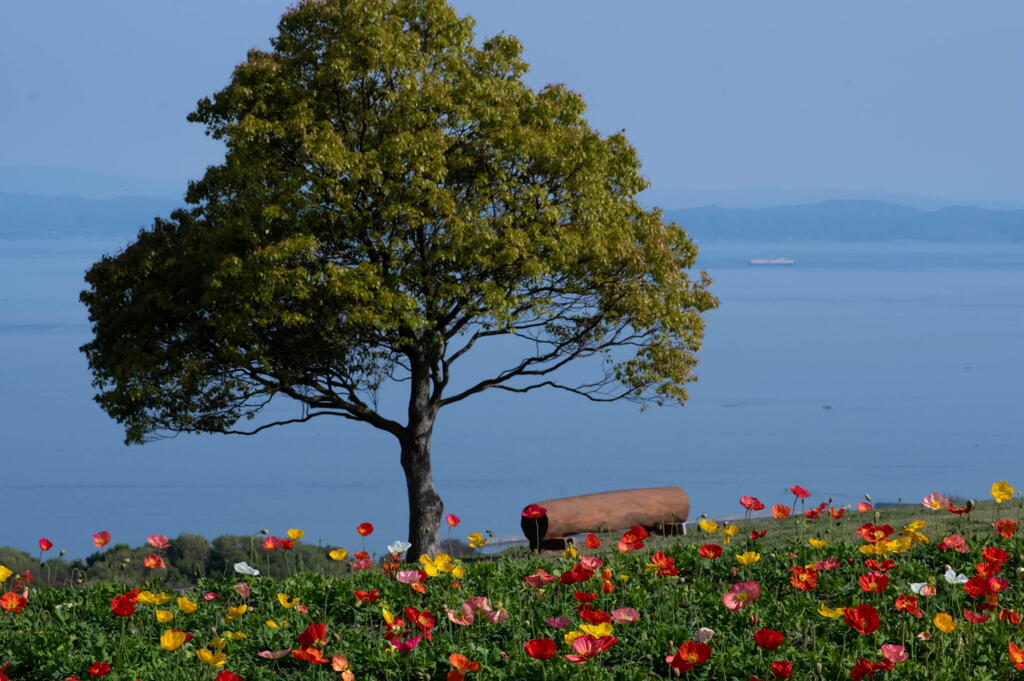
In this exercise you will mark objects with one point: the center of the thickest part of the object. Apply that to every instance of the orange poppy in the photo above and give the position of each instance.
(463, 663)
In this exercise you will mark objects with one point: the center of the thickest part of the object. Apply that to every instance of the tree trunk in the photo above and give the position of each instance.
(425, 505)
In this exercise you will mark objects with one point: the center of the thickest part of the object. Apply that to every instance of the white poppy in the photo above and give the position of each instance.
(399, 547)
(246, 569)
(953, 578)
(917, 586)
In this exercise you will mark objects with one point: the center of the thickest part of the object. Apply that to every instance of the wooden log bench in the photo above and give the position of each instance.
(662, 510)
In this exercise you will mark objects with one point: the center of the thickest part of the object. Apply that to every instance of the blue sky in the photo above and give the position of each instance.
(899, 96)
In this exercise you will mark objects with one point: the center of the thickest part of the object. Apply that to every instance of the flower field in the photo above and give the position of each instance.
(929, 592)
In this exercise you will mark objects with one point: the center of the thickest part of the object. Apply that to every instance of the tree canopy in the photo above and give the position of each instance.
(392, 196)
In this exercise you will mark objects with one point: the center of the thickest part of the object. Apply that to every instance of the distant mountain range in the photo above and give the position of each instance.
(850, 221)
(39, 217)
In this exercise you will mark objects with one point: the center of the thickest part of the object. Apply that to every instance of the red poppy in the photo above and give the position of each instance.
(1009, 617)
(423, 619)
(966, 508)
(13, 602)
(271, 543)
(540, 648)
(880, 565)
(365, 529)
(45, 544)
(769, 639)
(812, 513)
(974, 617)
(664, 565)
(577, 574)
(3, 677)
(367, 596)
(97, 669)
(583, 597)
(226, 675)
(988, 569)
(1006, 528)
(862, 618)
(534, 511)
(711, 551)
(124, 605)
(864, 507)
(101, 539)
(751, 503)
(799, 492)
(836, 513)
(154, 561)
(908, 604)
(874, 582)
(977, 586)
(452, 520)
(591, 615)
(462, 662)
(287, 544)
(311, 655)
(874, 533)
(863, 667)
(689, 655)
(313, 633)
(803, 578)
(994, 554)
(755, 534)
(633, 539)
(592, 542)
(780, 511)
(1016, 655)
(782, 669)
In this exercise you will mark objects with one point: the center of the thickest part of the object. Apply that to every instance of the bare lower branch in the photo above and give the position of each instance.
(286, 422)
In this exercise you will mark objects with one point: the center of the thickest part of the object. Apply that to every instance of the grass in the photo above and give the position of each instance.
(64, 630)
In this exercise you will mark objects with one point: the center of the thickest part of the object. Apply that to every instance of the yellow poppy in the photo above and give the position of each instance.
(150, 598)
(476, 540)
(944, 623)
(458, 572)
(285, 602)
(832, 613)
(5, 572)
(233, 635)
(597, 630)
(817, 543)
(570, 552)
(338, 554)
(272, 624)
(434, 567)
(185, 605)
(218, 659)
(295, 534)
(236, 612)
(709, 526)
(164, 616)
(572, 636)
(1002, 491)
(748, 558)
(171, 640)
(730, 530)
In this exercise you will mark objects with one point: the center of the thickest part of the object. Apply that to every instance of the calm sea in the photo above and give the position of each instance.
(888, 368)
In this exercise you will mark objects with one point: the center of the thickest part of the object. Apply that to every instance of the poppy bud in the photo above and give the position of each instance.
(62, 552)
(264, 531)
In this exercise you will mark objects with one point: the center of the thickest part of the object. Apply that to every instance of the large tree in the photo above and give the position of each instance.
(392, 197)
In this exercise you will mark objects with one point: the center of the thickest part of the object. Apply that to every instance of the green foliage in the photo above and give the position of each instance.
(62, 631)
(392, 193)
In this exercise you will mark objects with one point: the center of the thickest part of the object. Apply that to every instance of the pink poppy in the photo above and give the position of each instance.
(751, 503)
(463, 616)
(894, 653)
(410, 576)
(268, 655)
(243, 590)
(625, 615)
(591, 562)
(559, 622)
(406, 646)
(158, 541)
(538, 579)
(741, 594)
(452, 519)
